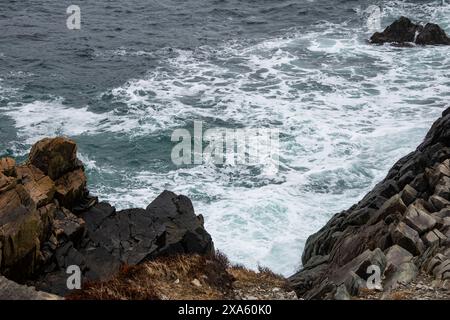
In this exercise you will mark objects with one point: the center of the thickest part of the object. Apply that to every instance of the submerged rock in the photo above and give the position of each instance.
(403, 31)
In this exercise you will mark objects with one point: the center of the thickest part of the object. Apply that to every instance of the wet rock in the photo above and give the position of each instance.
(54, 156)
(397, 255)
(404, 31)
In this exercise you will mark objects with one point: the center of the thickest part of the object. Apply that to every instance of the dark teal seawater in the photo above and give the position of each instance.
(137, 70)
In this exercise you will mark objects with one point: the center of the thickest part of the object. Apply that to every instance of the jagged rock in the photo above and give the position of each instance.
(434, 237)
(10, 290)
(8, 167)
(407, 238)
(184, 231)
(55, 157)
(418, 219)
(392, 206)
(401, 274)
(404, 31)
(20, 231)
(40, 187)
(378, 221)
(71, 188)
(47, 214)
(354, 284)
(67, 226)
(444, 168)
(442, 223)
(342, 293)
(401, 31)
(442, 271)
(396, 256)
(6, 183)
(408, 195)
(432, 34)
(444, 213)
(438, 202)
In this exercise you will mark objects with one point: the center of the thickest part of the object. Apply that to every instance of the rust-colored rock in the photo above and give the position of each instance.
(54, 157)
(71, 187)
(20, 230)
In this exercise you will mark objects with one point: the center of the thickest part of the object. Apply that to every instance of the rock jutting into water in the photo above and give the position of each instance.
(403, 31)
(400, 229)
(48, 222)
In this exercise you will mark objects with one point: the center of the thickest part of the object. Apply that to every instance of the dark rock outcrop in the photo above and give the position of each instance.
(404, 218)
(48, 222)
(403, 31)
(9, 290)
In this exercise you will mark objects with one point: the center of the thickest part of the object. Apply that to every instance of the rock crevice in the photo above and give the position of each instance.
(49, 221)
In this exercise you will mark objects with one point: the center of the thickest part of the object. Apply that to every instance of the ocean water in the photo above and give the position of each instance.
(137, 70)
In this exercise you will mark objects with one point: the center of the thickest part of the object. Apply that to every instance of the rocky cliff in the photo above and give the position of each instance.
(401, 228)
(48, 222)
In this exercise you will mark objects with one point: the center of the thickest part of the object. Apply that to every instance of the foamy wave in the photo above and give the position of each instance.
(346, 111)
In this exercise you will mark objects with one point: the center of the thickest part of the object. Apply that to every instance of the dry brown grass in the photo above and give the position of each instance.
(175, 278)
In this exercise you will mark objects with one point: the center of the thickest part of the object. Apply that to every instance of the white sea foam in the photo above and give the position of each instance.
(346, 112)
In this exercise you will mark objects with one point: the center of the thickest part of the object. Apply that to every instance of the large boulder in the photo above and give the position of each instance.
(404, 216)
(404, 31)
(20, 230)
(432, 34)
(71, 188)
(400, 31)
(54, 156)
(40, 187)
(8, 167)
(49, 222)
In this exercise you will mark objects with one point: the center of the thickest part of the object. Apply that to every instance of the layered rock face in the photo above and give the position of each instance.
(401, 227)
(404, 31)
(48, 222)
